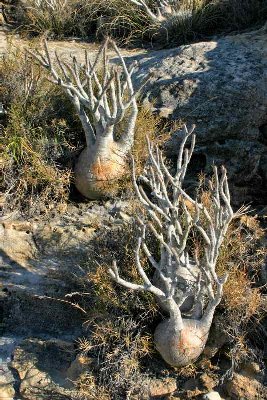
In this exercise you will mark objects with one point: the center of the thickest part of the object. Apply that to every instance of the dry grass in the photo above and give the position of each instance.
(38, 139)
(117, 244)
(122, 323)
(128, 23)
(148, 125)
(116, 18)
(60, 20)
(120, 327)
(242, 256)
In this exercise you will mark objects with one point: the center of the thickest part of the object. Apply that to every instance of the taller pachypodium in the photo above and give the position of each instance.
(189, 234)
(105, 102)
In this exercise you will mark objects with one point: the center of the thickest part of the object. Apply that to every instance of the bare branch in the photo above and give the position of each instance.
(101, 101)
(171, 221)
(163, 10)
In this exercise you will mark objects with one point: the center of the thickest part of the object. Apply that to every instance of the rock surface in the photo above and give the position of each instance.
(245, 387)
(161, 388)
(41, 263)
(41, 366)
(221, 86)
(7, 380)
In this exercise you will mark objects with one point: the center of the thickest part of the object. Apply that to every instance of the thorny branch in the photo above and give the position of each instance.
(164, 9)
(172, 215)
(102, 98)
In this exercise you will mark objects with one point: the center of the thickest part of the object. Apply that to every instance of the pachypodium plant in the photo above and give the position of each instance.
(164, 10)
(189, 233)
(53, 5)
(105, 102)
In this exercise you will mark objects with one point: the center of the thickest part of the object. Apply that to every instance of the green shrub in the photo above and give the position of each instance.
(56, 18)
(197, 19)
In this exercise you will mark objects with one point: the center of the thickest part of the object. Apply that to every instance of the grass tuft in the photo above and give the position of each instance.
(129, 24)
(242, 257)
(120, 327)
(38, 139)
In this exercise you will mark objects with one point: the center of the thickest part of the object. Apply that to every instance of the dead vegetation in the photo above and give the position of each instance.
(119, 340)
(128, 22)
(39, 142)
(243, 301)
(36, 135)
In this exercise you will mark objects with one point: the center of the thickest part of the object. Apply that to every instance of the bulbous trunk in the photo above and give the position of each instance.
(180, 347)
(99, 167)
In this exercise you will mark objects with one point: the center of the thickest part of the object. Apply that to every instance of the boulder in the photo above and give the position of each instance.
(221, 86)
(17, 242)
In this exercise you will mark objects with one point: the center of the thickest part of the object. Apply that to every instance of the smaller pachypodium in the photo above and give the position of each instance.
(189, 234)
(164, 9)
(105, 102)
(52, 5)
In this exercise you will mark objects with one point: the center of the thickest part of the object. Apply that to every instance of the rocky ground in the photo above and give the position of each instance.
(220, 86)
(41, 263)
(42, 260)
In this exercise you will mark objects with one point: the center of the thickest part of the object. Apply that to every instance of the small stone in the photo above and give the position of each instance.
(191, 384)
(162, 387)
(2, 110)
(251, 370)
(165, 112)
(77, 367)
(208, 382)
(212, 396)
(6, 392)
(6, 378)
(125, 217)
(117, 221)
(62, 208)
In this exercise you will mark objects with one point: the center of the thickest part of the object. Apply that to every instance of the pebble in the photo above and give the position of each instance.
(212, 396)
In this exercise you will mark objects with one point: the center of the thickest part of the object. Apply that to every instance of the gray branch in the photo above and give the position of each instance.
(101, 102)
